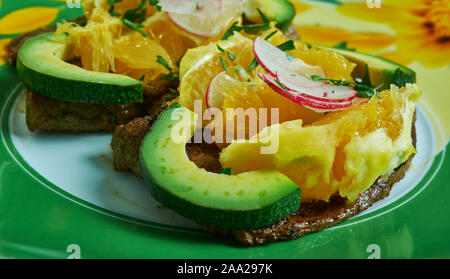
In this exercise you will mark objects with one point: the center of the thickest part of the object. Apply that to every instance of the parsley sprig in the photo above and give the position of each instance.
(364, 91)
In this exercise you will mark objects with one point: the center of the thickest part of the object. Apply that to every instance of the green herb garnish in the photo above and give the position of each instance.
(173, 91)
(155, 3)
(270, 35)
(172, 76)
(219, 48)
(226, 171)
(224, 63)
(231, 56)
(230, 31)
(249, 28)
(343, 45)
(253, 65)
(142, 77)
(288, 45)
(134, 26)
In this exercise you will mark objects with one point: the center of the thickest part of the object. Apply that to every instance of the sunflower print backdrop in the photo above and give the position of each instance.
(415, 33)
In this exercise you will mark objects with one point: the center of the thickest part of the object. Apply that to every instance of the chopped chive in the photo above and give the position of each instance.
(270, 35)
(288, 45)
(155, 4)
(163, 62)
(234, 27)
(364, 91)
(142, 77)
(219, 48)
(224, 63)
(173, 91)
(253, 65)
(134, 26)
(280, 84)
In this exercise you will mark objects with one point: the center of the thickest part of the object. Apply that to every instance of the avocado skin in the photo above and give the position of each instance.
(222, 218)
(91, 89)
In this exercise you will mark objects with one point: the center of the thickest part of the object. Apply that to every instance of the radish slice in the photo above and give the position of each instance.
(203, 18)
(279, 63)
(325, 93)
(301, 99)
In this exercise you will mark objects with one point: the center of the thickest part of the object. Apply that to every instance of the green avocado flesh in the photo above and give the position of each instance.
(281, 11)
(377, 70)
(248, 200)
(42, 68)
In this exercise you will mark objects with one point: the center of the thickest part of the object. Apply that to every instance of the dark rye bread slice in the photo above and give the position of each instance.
(318, 215)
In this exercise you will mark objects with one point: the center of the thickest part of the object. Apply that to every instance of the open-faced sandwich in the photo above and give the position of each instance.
(344, 136)
(235, 122)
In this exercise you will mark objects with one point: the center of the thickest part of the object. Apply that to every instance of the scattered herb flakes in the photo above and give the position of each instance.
(173, 91)
(172, 76)
(270, 35)
(163, 62)
(280, 84)
(155, 3)
(142, 77)
(226, 171)
(343, 45)
(288, 45)
(230, 31)
(364, 91)
(253, 65)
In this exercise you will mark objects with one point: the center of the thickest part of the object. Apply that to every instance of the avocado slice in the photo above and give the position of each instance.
(247, 200)
(42, 68)
(281, 11)
(377, 70)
